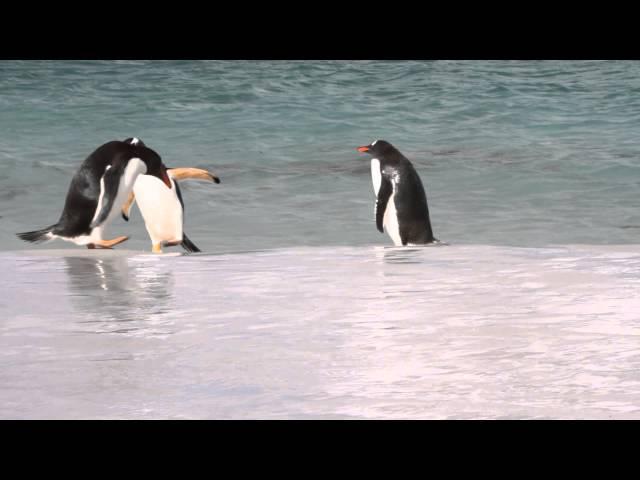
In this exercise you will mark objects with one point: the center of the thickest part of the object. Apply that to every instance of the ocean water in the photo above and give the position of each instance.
(298, 307)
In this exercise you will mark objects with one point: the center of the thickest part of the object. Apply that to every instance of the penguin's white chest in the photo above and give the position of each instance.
(390, 221)
(376, 175)
(160, 208)
(390, 218)
(135, 168)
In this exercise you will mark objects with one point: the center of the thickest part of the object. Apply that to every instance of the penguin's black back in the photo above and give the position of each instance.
(84, 191)
(411, 206)
(409, 197)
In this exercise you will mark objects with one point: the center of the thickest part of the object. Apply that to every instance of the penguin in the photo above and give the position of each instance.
(162, 209)
(401, 203)
(97, 190)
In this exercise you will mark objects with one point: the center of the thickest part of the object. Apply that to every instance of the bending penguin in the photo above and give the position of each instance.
(97, 190)
(401, 204)
(162, 209)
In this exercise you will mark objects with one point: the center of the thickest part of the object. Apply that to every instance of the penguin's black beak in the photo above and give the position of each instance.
(364, 149)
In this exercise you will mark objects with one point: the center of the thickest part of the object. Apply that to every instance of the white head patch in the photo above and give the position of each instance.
(134, 141)
(374, 142)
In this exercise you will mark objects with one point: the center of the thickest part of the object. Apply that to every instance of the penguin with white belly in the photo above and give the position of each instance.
(162, 209)
(401, 203)
(98, 189)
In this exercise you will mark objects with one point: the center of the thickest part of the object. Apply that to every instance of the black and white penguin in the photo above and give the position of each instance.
(401, 204)
(162, 209)
(98, 189)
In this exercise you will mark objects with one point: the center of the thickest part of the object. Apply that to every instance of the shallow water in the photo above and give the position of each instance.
(351, 332)
(511, 153)
(299, 308)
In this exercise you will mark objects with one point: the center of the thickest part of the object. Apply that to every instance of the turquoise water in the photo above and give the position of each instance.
(511, 153)
(298, 307)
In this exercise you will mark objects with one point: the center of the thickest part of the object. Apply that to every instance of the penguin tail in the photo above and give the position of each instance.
(37, 236)
(188, 245)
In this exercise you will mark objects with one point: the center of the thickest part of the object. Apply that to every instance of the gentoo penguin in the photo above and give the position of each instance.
(401, 204)
(98, 189)
(162, 209)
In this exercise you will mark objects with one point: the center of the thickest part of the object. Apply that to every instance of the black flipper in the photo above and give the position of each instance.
(37, 236)
(386, 189)
(111, 180)
(188, 245)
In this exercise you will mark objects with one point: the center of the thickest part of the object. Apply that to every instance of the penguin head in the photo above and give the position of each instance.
(134, 141)
(378, 148)
(155, 166)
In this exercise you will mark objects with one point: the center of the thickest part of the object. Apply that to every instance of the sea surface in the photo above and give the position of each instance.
(298, 307)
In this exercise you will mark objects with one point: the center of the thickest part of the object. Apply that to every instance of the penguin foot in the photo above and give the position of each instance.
(93, 246)
(157, 248)
(107, 244)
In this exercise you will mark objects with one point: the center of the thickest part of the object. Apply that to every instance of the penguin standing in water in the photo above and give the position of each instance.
(162, 209)
(401, 204)
(98, 189)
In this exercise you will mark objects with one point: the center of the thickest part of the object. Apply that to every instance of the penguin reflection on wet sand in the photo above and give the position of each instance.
(401, 203)
(162, 209)
(97, 191)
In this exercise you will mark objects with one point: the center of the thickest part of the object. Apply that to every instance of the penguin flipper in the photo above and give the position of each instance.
(126, 208)
(183, 173)
(386, 189)
(109, 184)
(188, 245)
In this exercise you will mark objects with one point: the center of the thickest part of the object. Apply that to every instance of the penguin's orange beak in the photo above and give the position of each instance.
(364, 149)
